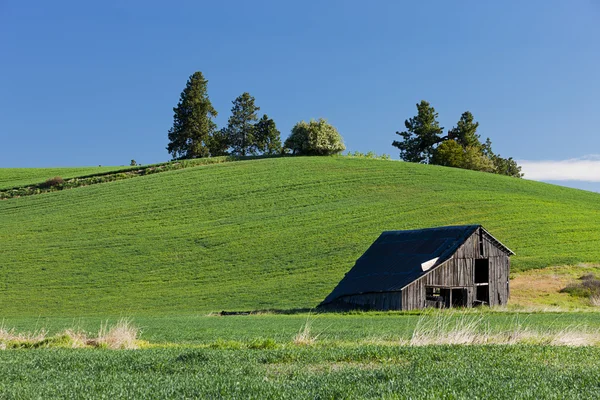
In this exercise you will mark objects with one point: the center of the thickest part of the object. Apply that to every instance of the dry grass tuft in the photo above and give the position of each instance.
(305, 337)
(595, 300)
(437, 328)
(123, 335)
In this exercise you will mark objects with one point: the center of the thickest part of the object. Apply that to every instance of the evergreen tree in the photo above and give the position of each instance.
(502, 166)
(240, 127)
(267, 137)
(423, 133)
(193, 126)
(219, 143)
(465, 132)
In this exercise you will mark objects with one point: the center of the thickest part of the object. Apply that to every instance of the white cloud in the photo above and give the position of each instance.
(577, 169)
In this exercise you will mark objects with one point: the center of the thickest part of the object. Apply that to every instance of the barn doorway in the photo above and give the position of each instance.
(459, 297)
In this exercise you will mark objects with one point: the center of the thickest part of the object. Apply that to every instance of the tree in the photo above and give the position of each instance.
(240, 127)
(502, 166)
(465, 132)
(451, 154)
(267, 137)
(507, 166)
(423, 133)
(317, 138)
(219, 143)
(192, 123)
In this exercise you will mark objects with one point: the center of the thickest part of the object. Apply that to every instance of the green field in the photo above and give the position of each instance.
(260, 234)
(329, 329)
(14, 177)
(433, 372)
(168, 249)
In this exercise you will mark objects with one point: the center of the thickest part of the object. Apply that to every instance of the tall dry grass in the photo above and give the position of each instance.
(122, 335)
(460, 328)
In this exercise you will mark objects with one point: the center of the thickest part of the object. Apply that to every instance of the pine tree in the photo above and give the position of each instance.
(193, 126)
(240, 127)
(267, 137)
(465, 132)
(423, 133)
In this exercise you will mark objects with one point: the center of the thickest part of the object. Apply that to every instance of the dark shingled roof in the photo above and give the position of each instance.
(395, 259)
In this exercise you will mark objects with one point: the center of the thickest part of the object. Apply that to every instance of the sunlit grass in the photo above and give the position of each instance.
(260, 234)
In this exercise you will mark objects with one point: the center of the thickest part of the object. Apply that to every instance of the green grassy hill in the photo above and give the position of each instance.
(270, 233)
(13, 177)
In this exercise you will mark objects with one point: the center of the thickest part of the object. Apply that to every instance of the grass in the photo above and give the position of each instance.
(271, 233)
(546, 287)
(323, 329)
(356, 355)
(122, 335)
(366, 371)
(13, 177)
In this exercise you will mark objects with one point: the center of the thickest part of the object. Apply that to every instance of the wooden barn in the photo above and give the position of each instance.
(452, 266)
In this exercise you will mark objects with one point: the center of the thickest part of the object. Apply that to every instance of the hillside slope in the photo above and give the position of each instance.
(271, 233)
(13, 177)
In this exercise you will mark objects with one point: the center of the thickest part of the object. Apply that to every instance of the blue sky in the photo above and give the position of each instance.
(94, 83)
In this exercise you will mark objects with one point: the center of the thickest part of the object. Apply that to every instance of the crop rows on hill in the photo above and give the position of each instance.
(271, 233)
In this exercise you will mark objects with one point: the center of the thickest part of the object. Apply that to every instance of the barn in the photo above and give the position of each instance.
(452, 266)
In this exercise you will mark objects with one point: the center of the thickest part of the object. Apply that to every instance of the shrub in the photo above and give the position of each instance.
(314, 138)
(588, 287)
(370, 154)
(53, 182)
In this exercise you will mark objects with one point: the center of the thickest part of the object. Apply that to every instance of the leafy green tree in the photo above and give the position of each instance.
(193, 123)
(451, 154)
(507, 166)
(423, 133)
(240, 127)
(267, 137)
(318, 138)
(502, 166)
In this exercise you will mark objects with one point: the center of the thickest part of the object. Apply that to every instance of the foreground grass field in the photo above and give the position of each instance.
(271, 233)
(433, 372)
(364, 355)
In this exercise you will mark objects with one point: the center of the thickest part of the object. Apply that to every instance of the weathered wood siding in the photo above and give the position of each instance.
(377, 301)
(459, 271)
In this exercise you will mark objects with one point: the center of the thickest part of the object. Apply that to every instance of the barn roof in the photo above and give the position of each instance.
(397, 258)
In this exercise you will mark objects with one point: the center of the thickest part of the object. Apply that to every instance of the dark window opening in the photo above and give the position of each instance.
(482, 270)
(446, 297)
(459, 297)
(482, 295)
(432, 293)
(436, 297)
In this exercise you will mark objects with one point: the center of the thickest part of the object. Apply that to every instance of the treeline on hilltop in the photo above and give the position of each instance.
(423, 142)
(194, 134)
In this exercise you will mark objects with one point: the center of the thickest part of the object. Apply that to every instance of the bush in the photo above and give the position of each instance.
(588, 287)
(370, 154)
(53, 182)
(314, 138)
